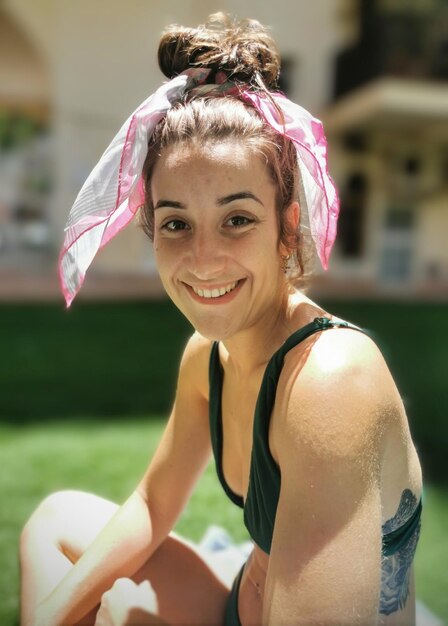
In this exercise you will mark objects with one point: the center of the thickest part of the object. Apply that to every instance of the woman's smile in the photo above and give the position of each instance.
(214, 294)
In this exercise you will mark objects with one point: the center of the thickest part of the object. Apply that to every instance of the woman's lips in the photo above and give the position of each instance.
(214, 292)
(215, 295)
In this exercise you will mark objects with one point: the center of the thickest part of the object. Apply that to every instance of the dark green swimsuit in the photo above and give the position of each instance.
(263, 493)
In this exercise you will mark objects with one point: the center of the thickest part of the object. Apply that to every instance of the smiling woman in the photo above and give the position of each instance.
(215, 230)
(298, 407)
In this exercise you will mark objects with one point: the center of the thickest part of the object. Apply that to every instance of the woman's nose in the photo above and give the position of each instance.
(207, 255)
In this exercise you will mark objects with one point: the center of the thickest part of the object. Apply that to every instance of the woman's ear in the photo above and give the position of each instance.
(293, 216)
(292, 219)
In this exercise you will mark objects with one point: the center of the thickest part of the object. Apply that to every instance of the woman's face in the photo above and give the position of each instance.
(216, 236)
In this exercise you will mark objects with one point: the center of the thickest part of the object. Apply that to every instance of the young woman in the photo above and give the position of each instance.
(307, 427)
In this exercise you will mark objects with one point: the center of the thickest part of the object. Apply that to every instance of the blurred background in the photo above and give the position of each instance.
(375, 72)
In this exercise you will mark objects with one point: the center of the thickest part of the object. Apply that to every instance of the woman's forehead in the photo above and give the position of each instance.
(214, 170)
(211, 155)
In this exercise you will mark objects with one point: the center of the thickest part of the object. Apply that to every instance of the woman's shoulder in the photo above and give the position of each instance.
(195, 362)
(336, 391)
(337, 348)
(332, 349)
(345, 345)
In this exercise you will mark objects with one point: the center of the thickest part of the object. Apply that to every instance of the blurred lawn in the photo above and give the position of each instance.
(112, 360)
(109, 458)
(109, 360)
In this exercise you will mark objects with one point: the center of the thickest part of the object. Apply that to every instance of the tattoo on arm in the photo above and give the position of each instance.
(396, 568)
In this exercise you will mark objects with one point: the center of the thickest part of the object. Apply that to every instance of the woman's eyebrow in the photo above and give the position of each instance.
(242, 195)
(172, 204)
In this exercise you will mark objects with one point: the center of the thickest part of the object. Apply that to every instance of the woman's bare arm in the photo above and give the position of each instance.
(325, 564)
(149, 514)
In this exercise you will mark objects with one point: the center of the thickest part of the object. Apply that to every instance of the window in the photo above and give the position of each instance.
(25, 185)
(286, 78)
(399, 219)
(352, 217)
(397, 245)
(396, 264)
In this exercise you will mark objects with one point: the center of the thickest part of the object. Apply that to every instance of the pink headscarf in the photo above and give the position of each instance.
(114, 190)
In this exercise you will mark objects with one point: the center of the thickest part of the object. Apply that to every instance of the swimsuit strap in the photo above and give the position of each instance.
(216, 376)
(264, 481)
(266, 397)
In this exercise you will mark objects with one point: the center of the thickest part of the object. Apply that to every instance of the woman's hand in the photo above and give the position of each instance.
(128, 604)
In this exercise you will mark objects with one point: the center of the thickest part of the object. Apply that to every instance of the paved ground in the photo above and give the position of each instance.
(38, 286)
(28, 285)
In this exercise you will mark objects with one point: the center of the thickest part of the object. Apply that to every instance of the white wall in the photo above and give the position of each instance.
(431, 245)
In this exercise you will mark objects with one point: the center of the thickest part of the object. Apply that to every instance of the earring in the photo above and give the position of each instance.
(284, 262)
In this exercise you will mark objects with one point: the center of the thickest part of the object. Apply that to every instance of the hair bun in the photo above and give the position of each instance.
(243, 50)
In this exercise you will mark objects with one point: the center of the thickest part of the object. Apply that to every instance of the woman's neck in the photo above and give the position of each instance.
(251, 348)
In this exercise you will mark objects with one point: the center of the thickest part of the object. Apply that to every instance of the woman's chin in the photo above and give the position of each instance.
(210, 324)
(213, 331)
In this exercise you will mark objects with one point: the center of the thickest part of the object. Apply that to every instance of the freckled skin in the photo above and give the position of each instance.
(208, 252)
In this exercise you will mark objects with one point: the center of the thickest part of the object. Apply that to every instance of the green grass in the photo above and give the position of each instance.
(106, 359)
(108, 458)
(95, 359)
(92, 455)
(432, 552)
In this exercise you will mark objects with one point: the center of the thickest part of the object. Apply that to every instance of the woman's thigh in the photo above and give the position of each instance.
(188, 587)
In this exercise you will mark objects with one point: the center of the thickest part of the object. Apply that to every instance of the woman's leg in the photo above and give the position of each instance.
(66, 523)
(58, 531)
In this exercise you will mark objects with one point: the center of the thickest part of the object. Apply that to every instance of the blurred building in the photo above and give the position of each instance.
(388, 130)
(25, 147)
(376, 71)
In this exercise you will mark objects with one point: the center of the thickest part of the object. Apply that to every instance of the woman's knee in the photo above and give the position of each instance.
(51, 507)
(68, 514)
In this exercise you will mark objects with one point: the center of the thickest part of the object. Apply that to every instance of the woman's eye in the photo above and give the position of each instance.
(239, 220)
(174, 225)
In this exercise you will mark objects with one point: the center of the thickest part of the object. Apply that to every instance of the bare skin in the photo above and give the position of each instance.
(400, 460)
(215, 228)
(187, 589)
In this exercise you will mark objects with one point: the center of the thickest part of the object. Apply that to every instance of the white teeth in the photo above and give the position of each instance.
(215, 293)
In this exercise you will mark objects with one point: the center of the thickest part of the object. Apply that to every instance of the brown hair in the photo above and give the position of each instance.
(247, 54)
